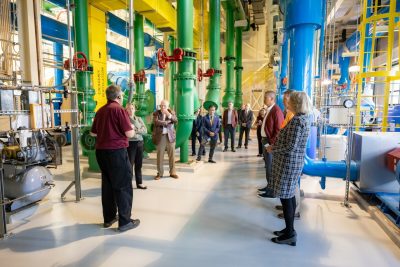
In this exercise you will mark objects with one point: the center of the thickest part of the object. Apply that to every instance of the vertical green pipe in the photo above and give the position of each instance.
(229, 59)
(139, 97)
(214, 40)
(87, 104)
(239, 69)
(172, 70)
(185, 77)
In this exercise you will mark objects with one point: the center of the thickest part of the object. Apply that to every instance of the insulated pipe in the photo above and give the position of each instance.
(58, 80)
(87, 104)
(131, 49)
(283, 71)
(172, 70)
(214, 40)
(140, 96)
(238, 69)
(303, 18)
(229, 59)
(185, 77)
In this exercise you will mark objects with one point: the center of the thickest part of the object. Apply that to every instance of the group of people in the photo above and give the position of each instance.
(282, 139)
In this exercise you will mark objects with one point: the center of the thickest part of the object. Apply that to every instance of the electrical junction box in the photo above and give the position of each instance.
(392, 159)
(369, 152)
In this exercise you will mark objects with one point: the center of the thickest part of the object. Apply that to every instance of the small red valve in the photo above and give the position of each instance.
(284, 80)
(79, 64)
(163, 58)
(201, 74)
(140, 76)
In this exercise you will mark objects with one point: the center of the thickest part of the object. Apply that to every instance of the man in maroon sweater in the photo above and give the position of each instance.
(269, 131)
(112, 127)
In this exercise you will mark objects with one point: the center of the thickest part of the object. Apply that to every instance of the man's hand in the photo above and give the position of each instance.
(212, 134)
(244, 124)
(269, 149)
(197, 134)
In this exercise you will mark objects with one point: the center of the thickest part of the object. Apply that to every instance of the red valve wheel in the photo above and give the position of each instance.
(162, 58)
(199, 74)
(284, 80)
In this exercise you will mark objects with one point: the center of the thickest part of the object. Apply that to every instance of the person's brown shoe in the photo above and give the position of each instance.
(174, 176)
(157, 177)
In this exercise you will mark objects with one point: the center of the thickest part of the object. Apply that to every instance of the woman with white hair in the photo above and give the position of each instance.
(288, 161)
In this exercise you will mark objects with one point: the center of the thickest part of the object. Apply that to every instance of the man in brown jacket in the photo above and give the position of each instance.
(229, 122)
(164, 138)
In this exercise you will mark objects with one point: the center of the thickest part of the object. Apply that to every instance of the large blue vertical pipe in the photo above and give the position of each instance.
(58, 79)
(303, 18)
(283, 70)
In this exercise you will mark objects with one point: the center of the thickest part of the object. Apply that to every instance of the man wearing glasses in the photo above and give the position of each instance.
(112, 127)
(164, 138)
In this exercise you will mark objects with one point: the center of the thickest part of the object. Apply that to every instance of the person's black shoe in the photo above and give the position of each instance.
(211, 161)
(204, 154)
(108, 224)
(233, 150)
(193, 154)
(282, 232)
(140, 186)
(278, 207)
(225, 149)
(198, 159)
(239, 147)
(245, 147)
(291, 241)
(259, 155)
(266, 195)
(296, 216)
(129, 226)
(264, 189)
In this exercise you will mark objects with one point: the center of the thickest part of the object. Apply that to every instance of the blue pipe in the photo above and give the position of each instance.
(322, 38)
(58, 79)
(324, 168)
(283, 70)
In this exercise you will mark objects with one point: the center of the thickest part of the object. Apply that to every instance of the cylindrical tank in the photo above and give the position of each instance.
(17, 184)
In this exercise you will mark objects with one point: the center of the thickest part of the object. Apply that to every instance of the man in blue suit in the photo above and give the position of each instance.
(210, 129)
(196, 131)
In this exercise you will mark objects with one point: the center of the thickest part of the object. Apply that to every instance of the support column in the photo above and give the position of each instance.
(283, 71)
(229, 58)
(185, 77)
(238, 69)
(214, 41)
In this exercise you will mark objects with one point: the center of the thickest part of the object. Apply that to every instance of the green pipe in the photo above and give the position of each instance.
(140, 97)
(87, 104)
(172, 70)
(229, 59)
(185, 78)
(239, 69)
(214, 41)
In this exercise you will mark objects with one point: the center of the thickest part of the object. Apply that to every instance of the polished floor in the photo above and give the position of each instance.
(209, 218)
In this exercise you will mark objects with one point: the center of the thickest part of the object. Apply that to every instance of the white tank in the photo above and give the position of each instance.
(335, 146)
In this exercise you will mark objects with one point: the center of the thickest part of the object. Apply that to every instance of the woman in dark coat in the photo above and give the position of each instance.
(259, 122)
(288, 161)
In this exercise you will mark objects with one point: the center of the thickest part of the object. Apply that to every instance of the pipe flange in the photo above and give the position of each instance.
(185, 117)
(218, 71)
(211, 87)
(189, 53)
(185, 76)
(238, 68)
(229, 58)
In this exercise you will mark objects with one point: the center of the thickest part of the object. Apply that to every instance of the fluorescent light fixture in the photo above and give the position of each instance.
(326, 82)
(350, 54)
(354, 68)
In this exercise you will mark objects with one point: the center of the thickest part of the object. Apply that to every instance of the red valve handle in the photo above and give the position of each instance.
(201, 74)
(163, 59)
(80, 64)
(140, 76)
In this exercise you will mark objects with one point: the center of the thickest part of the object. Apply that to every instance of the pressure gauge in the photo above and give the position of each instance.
(348, 103)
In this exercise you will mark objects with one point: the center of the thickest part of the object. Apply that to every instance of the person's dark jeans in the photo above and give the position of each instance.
(135, 154)
(194, 139)
(268, 161)
(246, 131)
(289, 207)
(229, 131)
(213, 144)
(116, 184)
(259, 139)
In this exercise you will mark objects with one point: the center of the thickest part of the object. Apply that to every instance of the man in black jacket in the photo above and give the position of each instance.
(245, 119)
(196, 131)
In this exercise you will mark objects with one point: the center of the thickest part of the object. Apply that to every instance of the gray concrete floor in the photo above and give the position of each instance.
(209, 218)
